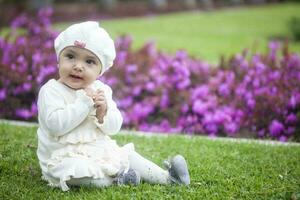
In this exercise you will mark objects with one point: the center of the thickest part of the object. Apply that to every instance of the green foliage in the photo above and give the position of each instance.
(294, 26)
(219, 169)
(208, 35)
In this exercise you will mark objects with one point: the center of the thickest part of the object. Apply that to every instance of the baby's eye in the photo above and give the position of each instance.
(90, 61)
(70, 56)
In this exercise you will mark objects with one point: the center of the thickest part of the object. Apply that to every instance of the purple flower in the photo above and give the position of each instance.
(240, 90)
(191, 119)
(291, 119)
(244, 65)
(211, 129)
(37, 58)
(260, 68)
(183, 84)
(185, 108)
(136, 90)
(123, 43)
(24, 113)
(164, 102)
(165, 125)
(251, 103)
(256, 83)
(44, 14)
(230, 77)
(19, 21)
(150, 49)
(231, 128)
(276, 128)
(26, 86)
(283, 138)
(112, 81)
(260, 91)
(224, 90)
(141, 111)
(181, 54)
(21, 41)
(2, 94)
(144, 127)
(125, 103)
(150, 86)
(121, 58)
(126, 118)
(200, 92)
(261, 133)
(131, 68)
(290, 130)
(274, 90)
(220, 117)
(34, 108)
(293, 102)
(274, 46)
(275, 75)
(199, 107)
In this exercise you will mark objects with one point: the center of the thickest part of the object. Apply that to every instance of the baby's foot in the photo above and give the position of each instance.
(131, 177)
(178, 170)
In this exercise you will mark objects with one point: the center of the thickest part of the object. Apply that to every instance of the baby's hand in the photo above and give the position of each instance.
(89, 92)
(100, 104)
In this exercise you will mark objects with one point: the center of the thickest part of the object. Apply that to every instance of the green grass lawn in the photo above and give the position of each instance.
(207, 35)
(219, 169)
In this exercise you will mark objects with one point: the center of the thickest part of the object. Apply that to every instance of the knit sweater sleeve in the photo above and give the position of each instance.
(59, 117)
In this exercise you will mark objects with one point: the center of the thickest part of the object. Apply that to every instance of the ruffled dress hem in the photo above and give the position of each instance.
(86, 161)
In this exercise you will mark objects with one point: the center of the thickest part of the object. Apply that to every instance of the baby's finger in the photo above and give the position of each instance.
(99, 91)
(99, 103)
(100, 107)
(99, 98)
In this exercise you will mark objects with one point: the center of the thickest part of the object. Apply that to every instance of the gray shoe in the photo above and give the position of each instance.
(131, 177)
(178, 170)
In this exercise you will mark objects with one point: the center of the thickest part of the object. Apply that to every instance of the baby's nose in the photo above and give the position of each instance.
(78, 67)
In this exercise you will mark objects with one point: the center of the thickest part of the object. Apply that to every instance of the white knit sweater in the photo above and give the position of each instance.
(71, 142)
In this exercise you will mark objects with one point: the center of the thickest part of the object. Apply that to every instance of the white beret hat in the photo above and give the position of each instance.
(88, 35)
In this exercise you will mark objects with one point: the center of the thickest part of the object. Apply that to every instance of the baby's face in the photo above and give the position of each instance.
(78, 67)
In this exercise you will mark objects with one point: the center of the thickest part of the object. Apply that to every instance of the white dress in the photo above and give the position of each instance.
(71, 142)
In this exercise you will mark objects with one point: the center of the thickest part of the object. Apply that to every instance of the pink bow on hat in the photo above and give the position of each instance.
(79, 44)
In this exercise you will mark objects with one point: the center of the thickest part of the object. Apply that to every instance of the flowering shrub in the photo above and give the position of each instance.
(257, 94)
(248, 94)
(27, 61)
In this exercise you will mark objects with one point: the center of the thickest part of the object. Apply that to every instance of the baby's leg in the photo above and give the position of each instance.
(89, 181)
(149, 171)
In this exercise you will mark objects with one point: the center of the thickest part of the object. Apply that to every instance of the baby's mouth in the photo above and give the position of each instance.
(76, 77)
